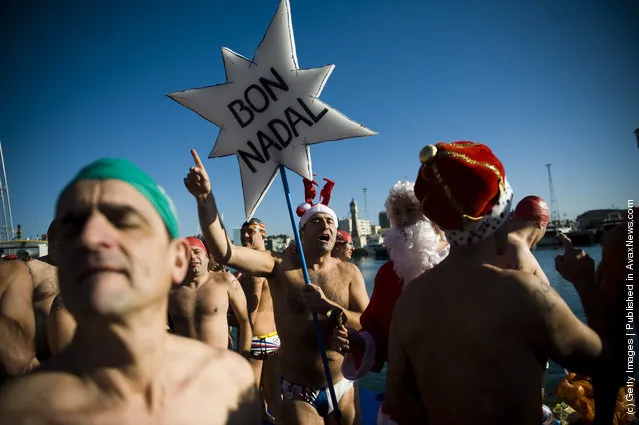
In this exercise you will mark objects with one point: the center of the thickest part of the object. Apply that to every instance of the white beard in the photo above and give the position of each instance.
(414, 249)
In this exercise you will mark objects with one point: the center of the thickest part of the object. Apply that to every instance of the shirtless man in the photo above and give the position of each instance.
(266, 341)
(337, 285)
(27, 289)
(525, 229)
(119, 252)
(343, 246)
(415, 245)
(471, 342)
(610, 278)
(198, 306)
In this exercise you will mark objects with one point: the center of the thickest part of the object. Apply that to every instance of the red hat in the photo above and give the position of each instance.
(343, 237)
(308, 209)
(532, 208)
(193, 241)
(462, 187)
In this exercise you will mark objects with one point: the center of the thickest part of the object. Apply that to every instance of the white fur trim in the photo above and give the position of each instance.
(350, 369)
(318, 208)
(486, 226)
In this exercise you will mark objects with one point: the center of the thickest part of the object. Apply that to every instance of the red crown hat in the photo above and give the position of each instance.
(307, 210)
(462, 187)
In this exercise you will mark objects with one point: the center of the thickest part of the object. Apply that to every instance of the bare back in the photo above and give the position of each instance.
(259, 303)
(299, 354)
(198, 386)
(469, 343)
(200, 312)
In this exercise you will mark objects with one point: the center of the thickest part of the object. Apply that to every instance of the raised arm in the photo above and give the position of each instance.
(561, 335)
(259, 263)
(61, 326)
(17, 325)
(238, 302)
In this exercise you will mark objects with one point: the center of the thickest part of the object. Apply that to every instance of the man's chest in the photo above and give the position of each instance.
(334, 287)
(189, 302)
(187, 408)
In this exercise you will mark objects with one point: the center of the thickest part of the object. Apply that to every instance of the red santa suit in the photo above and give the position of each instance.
(376, 319)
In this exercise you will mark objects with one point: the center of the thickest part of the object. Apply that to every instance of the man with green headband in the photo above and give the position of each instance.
(118, 254)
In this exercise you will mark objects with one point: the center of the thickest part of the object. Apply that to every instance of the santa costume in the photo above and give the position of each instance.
(413, 250)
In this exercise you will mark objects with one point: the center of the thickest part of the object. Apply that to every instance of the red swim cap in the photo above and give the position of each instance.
(534, 209)
(193, 241)
(343, 237)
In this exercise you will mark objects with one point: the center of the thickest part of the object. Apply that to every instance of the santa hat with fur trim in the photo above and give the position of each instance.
(307, 210)
(462, 187)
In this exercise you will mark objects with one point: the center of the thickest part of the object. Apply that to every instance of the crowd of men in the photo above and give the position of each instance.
(125, 322)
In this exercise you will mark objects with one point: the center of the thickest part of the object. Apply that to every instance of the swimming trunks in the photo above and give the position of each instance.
(264, 346)
(319, 398)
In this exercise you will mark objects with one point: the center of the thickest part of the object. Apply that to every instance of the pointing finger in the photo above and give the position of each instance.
(565, 241)
(196, 158)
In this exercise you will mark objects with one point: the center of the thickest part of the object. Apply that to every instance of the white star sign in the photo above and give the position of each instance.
(268, 111)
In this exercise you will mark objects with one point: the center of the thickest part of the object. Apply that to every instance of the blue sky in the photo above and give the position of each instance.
(537, 81)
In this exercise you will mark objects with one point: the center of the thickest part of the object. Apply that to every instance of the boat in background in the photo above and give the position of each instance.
(550, 237)
(23, 249)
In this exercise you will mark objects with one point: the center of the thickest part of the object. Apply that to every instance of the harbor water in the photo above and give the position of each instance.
(546, 258)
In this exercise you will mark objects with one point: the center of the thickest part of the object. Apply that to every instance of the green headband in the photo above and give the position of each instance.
(121, 169)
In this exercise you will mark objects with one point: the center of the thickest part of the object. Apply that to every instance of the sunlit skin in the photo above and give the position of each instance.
(116, 265)
(343, 250)
(198, 306)
(335, 284)
(250, 237)
(406, 212)
(466, 289)
(260, 307)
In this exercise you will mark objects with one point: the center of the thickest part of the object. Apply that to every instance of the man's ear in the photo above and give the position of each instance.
(181, 259)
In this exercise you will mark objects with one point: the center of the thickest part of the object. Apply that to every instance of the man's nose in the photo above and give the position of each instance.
(98, 231)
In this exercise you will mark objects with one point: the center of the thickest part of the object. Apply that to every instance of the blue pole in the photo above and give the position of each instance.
(307, 280)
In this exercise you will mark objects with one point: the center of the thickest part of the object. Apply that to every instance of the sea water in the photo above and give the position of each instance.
(546, 258)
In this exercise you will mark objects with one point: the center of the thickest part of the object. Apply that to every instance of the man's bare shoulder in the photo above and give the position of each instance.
(42, 391)
(213, 368)
(347, 267)
(10, 270)
(221, 278)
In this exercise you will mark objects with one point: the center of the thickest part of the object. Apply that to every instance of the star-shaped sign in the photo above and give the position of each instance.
(268, 110)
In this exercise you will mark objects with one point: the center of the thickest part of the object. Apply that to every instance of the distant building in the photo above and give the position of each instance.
(358, 231)
(375, 239)
(595, 219)
(375, 229)
(345, 224)
(384, 222)
(277, 243)
(236, 238)
(364, 227)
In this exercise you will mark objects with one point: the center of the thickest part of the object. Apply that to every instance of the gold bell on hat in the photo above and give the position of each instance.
(427, 153)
